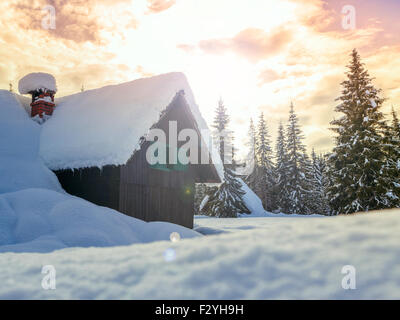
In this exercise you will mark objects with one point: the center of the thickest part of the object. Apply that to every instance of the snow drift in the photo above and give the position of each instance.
(39, 220)
(36, 81)
(252, 202)
(20, 164)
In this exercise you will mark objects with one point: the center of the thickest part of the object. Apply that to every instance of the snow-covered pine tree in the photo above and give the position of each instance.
(233, 150)
(265, 179)
(281, 172)
(357, 162)
(220, 126)
(251, 159)
(320, 184)
(391, 148)
(395, 123)
(306, 168)
(298, 182)
(227, 200)
(199, 195)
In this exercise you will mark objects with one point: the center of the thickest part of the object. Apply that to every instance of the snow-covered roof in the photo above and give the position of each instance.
(103, 126)
(35, 81)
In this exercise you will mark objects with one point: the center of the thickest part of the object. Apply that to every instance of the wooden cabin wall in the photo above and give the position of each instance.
(153, 194)
(98, 186)
(159, 193)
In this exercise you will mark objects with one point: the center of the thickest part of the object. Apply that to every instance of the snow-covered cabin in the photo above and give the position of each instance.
(96, 144)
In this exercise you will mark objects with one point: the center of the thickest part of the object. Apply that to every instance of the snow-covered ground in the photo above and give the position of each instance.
(253, 258)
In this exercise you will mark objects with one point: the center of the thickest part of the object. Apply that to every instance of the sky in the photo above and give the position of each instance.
(257, 55)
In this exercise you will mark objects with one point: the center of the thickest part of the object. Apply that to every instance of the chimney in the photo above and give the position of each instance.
(42, 87)
(42, 102)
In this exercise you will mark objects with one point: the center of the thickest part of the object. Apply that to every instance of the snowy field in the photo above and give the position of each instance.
(249, 258)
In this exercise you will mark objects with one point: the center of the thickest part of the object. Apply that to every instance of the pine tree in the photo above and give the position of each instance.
(220, 125)
(391, 147)
(251, 156)
(227, 201)
(307, 185)
(265, 179)
(320, 185)
(200, 193)
(233, 165)
(282, 179)
(298, 182)
(395, 124)
(358, 159)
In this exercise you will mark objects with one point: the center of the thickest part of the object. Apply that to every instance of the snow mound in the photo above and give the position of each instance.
(104, 126)
(254, 204)
(259, 258)
(252, 201)
(39, 220)
(35, 81)
(20, 165)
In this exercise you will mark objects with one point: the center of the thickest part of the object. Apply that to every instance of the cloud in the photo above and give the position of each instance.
(269, 75)
(317, 15)
(76, 20)
(141, 71)
(156, 6)
(252, 43)
(321, 144)
(188, 48)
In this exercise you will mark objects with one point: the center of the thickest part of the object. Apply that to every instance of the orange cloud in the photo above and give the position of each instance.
(156, 6)
(252, 43)
(269, 75)
(76, 20)
(186, 47)
(141, 71)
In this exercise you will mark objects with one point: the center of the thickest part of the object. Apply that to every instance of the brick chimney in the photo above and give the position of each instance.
(42, 87)
(42, 102)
